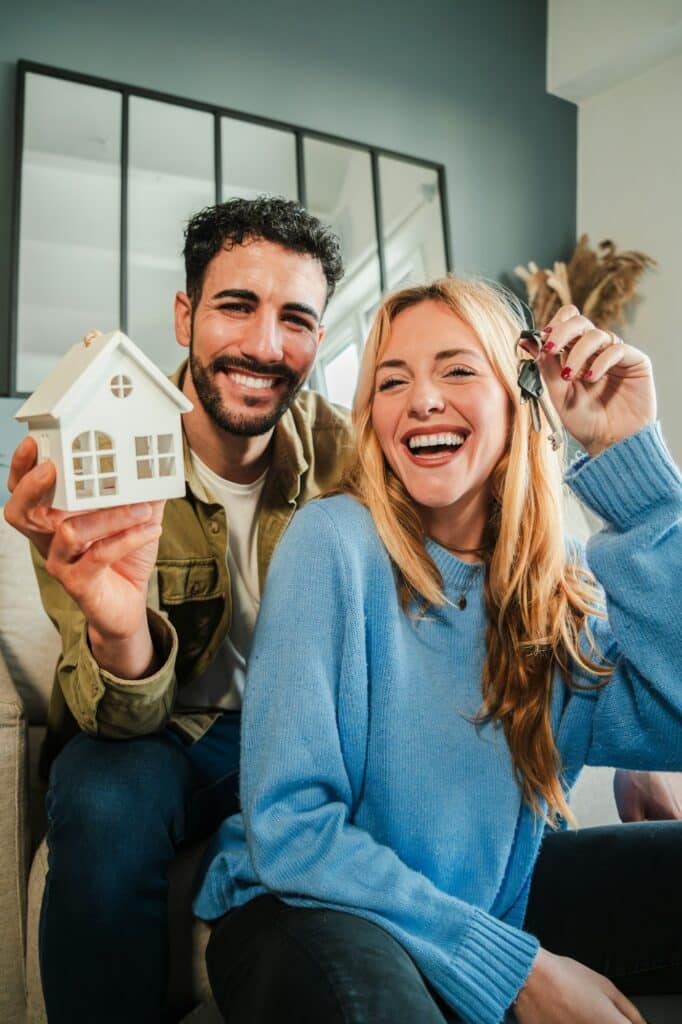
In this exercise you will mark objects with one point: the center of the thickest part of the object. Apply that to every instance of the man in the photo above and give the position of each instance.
(144, 715)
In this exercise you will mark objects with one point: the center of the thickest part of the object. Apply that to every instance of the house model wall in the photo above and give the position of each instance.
(110, 421)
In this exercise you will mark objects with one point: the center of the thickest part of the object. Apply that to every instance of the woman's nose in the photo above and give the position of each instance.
(426, 399)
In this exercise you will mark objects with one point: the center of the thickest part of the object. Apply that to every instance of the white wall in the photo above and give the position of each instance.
(622, 62)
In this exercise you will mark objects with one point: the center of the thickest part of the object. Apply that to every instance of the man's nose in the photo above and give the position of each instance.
(264, 340)
(425, 399)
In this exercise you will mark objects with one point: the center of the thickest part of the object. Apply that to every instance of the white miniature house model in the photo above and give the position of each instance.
(110, 421)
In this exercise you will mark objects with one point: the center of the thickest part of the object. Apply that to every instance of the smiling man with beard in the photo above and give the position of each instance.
(156, 606)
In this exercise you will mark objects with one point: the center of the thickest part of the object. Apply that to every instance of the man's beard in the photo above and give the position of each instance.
(212, 401)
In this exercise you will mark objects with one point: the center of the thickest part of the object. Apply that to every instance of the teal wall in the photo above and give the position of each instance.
(461, 82)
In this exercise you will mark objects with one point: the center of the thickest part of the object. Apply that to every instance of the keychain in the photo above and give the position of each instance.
(530, 383)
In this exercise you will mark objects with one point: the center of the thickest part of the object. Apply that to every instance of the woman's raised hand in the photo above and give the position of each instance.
(602, 389)
(562, 991)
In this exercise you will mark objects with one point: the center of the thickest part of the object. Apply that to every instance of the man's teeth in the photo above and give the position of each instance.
(431, 440)
(253, 382)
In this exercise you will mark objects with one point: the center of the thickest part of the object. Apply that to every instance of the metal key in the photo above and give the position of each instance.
(530, 383)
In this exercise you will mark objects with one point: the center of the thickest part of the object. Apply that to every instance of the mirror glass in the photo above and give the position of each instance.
(339, 192)
(170, 177)
(69, 250)
(412, 223)
(257, 159)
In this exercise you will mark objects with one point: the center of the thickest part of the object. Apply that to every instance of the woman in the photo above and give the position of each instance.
(431, 670)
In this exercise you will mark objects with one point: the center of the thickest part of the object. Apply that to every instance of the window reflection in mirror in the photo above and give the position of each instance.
(412, 223)
(339, 191)
(257, 159)
(70, 221)
(171, 177)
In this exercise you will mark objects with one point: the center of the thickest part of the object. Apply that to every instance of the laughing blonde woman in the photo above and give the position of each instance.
(433, 665)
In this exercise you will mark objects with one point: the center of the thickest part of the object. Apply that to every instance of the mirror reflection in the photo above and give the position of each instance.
(167, 183)
(340, 192)
(257, 159)
(70, 221)
(412, 222)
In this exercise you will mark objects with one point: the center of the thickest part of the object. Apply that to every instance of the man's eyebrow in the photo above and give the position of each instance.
(447, 353)
(300, 307)
(237, 293)
(249, 296)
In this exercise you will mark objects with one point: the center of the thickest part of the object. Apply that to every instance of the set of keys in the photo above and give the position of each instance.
(530, 383)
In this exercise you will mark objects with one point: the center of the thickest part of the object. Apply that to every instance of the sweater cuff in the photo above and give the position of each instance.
(489, 969)
(628, 478)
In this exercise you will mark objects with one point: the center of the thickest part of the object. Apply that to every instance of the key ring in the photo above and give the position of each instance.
(533, 336)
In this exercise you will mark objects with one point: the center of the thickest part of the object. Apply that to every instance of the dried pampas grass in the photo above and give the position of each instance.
(598, 283)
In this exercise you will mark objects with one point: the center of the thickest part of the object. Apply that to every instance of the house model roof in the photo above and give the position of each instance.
(77, 369)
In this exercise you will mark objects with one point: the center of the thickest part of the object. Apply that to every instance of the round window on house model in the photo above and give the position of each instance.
(121, 386)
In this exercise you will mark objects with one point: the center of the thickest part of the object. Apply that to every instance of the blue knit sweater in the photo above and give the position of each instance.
(365, 785)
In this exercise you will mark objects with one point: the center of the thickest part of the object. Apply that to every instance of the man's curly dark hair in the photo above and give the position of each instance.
(271, 218)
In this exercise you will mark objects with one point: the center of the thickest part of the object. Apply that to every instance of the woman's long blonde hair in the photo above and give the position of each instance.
(537, 596)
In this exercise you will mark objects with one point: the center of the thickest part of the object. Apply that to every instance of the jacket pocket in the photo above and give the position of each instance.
(183, 580)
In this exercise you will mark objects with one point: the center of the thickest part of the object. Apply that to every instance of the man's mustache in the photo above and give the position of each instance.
(221, 364)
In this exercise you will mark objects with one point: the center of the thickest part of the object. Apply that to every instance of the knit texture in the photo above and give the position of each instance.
(366, 786)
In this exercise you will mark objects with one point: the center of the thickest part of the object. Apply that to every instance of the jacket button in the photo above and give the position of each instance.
(194, 588)
(214, 527)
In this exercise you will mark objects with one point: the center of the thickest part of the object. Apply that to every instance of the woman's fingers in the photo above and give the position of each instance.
(577, 361)
(562, 315)
(624, 1006)
(626, 356)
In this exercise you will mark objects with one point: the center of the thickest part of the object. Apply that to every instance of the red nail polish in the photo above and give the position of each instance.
(546, 330)
(566, 373)
(549, 346)
(587, 374)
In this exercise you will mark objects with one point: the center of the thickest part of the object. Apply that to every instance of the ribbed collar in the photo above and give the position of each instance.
(458, 576)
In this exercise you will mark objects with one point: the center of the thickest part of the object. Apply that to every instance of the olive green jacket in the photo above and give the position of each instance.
(189, 596)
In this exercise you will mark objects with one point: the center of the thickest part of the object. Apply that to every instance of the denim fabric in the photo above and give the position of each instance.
(608, 897)
(117, 812)
(271, 963)
(611, 898)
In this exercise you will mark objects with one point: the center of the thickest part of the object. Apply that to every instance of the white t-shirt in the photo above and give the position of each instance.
(221, 685)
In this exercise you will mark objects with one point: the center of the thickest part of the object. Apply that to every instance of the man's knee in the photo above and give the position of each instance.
(99, 785)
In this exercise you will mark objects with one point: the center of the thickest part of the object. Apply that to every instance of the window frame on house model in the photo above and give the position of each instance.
(96, 474)
(158, 458)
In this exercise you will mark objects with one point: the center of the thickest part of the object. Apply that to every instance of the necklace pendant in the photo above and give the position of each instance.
(462, 603)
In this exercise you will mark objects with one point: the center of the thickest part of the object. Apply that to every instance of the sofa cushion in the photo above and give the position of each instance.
(28, 640)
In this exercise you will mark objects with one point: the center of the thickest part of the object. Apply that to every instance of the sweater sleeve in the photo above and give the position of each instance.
(636, 489)
(304, 721)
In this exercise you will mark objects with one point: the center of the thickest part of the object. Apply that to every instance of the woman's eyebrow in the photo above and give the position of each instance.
(447, 353)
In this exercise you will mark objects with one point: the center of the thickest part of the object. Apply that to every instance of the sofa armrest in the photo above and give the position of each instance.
(14, 848)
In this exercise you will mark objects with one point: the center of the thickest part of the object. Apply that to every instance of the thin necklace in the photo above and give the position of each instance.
(461, 601)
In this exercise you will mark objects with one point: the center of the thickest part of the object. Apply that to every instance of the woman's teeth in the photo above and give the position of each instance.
(252, 382)
(448, 440)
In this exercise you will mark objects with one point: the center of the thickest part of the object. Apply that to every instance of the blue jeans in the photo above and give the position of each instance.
(117, 812)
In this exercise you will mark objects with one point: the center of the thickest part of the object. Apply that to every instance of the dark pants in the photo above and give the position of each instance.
(117, 812)
(609, 897)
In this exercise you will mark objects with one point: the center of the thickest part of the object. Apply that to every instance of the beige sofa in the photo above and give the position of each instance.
(28, 651)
